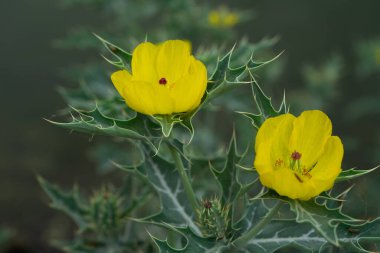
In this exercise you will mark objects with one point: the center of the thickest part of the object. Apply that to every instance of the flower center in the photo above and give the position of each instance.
(162, 81)
(300, 172)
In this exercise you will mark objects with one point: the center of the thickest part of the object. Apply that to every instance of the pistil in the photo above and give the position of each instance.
(162, 81)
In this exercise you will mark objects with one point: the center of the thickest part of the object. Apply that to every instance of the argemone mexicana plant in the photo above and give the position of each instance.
(298, 157)
(211, 202)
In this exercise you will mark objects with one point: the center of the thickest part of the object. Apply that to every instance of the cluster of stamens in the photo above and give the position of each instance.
(295, 165)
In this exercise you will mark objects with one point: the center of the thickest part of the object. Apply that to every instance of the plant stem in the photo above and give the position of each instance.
(185, 178)
(243, 240)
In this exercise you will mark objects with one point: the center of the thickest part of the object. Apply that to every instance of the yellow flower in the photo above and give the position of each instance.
(165, 79)
(377, 56)
(223, 18)
(214, 18)
(298, 157)
(230, 19)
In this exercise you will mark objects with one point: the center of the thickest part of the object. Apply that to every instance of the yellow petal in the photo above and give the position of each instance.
(280, 140)
(266, 179)
(309, 191)
(163, 101)
(285, 183)
(144, 63)
(173, 60)
(188, 91)
(329, 164)
(266, 141)
(310, 133)
(199, 72)
(120, 79)
(268, 128)
(138, 96)
(263, 162)
(141, 96)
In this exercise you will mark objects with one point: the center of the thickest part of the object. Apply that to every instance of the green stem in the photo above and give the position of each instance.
(243, 240)
(185, 178)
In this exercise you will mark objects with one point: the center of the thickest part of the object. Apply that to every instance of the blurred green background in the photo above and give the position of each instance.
(331, 61)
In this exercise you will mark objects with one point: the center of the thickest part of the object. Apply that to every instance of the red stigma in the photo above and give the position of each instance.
(162, 81)
(296, 155)
(207, 204)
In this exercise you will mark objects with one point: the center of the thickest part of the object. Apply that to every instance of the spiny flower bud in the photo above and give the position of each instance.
(105, 211)
(213, 218)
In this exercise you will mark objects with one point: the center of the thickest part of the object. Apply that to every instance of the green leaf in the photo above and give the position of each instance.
(194, 243)
(224, 71)
(227, 176)
(68, 202)
(256, 119)
(325, 220)
(254, 211)
(281, 233)
(163, 177)
(227, 179)
(123, 58)
(264, 105)
(353, 173)
(224, 79)
(94, 122)
(356, 237)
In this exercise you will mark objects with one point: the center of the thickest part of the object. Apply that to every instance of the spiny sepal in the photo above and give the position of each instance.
(167, 122)
(214, 218)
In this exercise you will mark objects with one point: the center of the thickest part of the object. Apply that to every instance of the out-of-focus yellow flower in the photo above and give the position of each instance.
(223, 18)
(298, 157)
(165, 79)
(377, 56)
